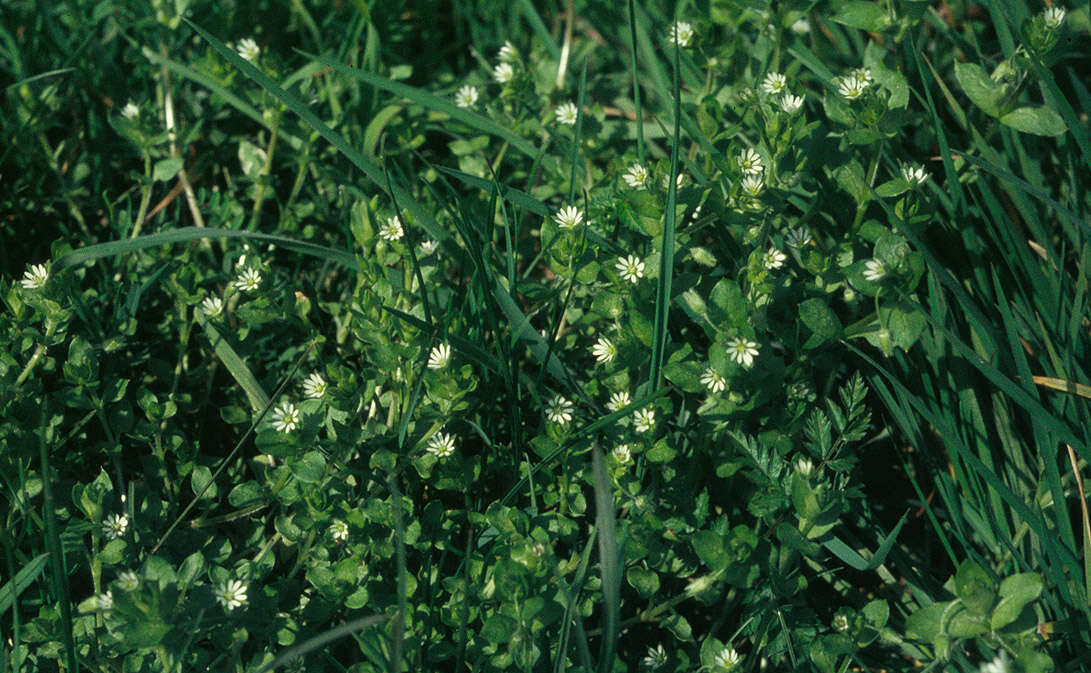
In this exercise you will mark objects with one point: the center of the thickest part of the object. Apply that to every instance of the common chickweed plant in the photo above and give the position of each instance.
(605, 336)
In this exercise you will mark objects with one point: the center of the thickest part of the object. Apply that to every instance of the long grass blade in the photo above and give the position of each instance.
(23, 579)
(666, 259)
(373, 172)
(609, 558)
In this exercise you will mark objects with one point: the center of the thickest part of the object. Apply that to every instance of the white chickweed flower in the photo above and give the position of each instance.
(604, 350)
(655, 659)
(851, 87)
(249, 280)
(644, 420)
(559, 410)
(115, 526)
(1000, 664)
(35, 277)
(791, 104)
(742, 351)
(681, 34)
(679, 180)
(631, 268)
(441, 445)
(503, 73)
(130, 111)
(752, 185)
(428, 247)
(507, 53)
(1053, 17)
(774, 83)
(774, 259)
(712, 380)
(861, 75)
(231, 594)
(439, 357)
(566, 113)
(314, 386)
(874, 270)
(622, 454)
(248, 49)
(804, 466)
(750, 162)
(619, 401)
(727, 659)
(915, 175)
(392, 230)
(339, 530)
(466, 97)
(128, 581)
(286, 418)
(568, 217)
(636, 176)
(797, 238)
(212, 306)
(105, 601)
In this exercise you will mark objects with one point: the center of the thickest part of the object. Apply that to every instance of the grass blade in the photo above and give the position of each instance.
(370, 169)
(666, 259)
(23, 579)
(609, 558)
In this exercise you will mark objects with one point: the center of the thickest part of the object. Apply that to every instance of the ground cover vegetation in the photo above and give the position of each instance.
(544, 336)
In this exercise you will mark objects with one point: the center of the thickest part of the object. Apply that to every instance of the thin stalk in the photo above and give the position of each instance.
(263, 184)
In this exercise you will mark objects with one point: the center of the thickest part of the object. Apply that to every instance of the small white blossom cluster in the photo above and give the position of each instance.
(853, 85)
(914, 175)
(559, 411)
(439, 357)
(568, 217)
(466, 97)
(286, 418)
(392, 230)
(114, 526)
(742, 351)
(35, 277)
(776, 84)
(441, 445)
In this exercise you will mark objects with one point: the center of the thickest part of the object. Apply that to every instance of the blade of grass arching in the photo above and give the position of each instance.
(526, 8)
(666, 257)
(525, 201)
(215, 87)
(1009, 177)
(235, 365)
(648, 54)
(322, 639)
(609, 559)
(58, 571)
(372, 171)
(23, 579)
(91, 253)
(432, 102)
(636, 85)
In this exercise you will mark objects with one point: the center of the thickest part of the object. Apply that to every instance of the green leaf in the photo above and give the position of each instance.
(892, 188)
(645, 581)
(499, 628)
(200, 478)
(926, 624)
(1040, 120)
(710, 549)
(727, 306)
(661, 452)
(818, 317)
(166, 169)
(1016, 592)
(863, 15)
(974, 588)
(309, 468)
(851, 178)
(246, 493)
(981, 89)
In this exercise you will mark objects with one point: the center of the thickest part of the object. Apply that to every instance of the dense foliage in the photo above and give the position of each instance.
(544, 336)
